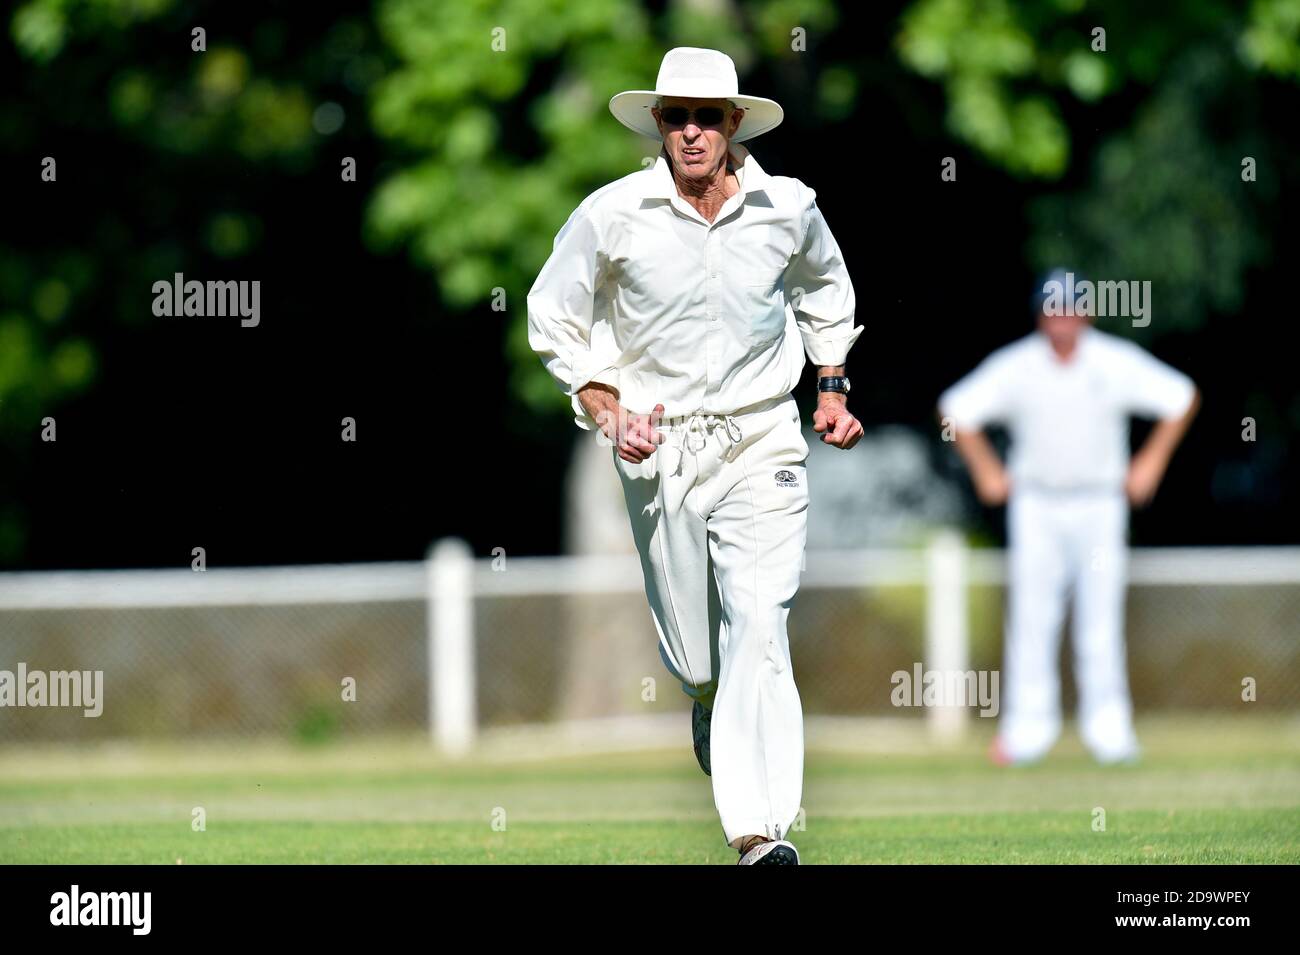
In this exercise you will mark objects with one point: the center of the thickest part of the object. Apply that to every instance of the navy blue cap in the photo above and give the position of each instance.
(1058, 276)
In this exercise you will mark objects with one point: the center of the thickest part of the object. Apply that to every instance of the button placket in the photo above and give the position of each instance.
(711, 307)
(711, 274)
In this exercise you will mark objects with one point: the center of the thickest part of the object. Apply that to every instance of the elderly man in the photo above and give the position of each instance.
(1066, 392)
(676, 309)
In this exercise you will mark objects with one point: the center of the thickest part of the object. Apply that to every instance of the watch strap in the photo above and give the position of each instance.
(837, 383)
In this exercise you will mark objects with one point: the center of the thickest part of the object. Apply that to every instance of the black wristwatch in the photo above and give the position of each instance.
(833, 383)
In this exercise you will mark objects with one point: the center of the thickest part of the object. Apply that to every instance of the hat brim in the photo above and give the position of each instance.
(632, 109)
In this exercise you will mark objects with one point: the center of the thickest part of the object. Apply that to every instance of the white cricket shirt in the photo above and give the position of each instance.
(644, 294)
(1068, 421)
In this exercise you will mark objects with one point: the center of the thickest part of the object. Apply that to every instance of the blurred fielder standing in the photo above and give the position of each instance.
(1065, 394)
(685, 296)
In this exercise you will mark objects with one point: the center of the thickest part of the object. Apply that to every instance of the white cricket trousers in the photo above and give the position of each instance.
(1066, 544)
(719, 514)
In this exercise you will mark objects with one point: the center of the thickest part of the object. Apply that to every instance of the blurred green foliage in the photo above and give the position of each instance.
(42, 28)
(120, 77)
(217, 105)
(490, 122)
(504, 104)
(1271, 40)
(496, 123)
(1009, 68)
(1165, 200)
(978, 49)
(494, 116)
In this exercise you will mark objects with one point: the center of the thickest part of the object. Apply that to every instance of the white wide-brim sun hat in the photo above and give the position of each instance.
(689, 71)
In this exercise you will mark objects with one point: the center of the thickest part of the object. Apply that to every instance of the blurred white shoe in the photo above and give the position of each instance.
(1122, 756)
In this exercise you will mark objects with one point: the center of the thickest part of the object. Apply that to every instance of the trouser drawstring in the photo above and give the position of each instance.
(698, 427)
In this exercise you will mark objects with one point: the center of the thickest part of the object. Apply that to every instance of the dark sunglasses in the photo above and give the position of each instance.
(704, 115)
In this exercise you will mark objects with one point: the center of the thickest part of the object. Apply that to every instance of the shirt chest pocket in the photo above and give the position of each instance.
(757, 303)
(754, 286)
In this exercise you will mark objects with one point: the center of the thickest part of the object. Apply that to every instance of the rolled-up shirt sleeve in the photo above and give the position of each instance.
(819, 290)
(1153, 389)
(981, 398)
(575, 347)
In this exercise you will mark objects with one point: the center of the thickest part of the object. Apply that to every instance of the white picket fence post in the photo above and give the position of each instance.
(453, 707)
(947, 635)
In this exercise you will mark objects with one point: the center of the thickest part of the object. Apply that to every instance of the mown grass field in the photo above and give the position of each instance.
(1208, 790)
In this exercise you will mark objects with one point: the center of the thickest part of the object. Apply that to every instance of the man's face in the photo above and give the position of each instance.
(1063, 330)
(697, 149)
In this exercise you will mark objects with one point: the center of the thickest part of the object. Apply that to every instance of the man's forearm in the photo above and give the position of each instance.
(977, 451)
(597, 399)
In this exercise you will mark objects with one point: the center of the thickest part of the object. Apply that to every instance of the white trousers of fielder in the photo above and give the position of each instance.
(719, 516)
(1067, 544)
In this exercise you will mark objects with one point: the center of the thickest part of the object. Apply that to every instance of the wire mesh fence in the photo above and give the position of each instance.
(171, 672)
(313, 653)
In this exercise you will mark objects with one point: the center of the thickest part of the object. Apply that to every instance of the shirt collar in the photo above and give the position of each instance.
(749, 174)
(1082, 346)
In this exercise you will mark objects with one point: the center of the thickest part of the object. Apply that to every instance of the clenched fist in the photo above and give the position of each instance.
(638, 435)
(834, 418)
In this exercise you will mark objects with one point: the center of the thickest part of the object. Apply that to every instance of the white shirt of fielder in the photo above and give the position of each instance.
(1068, 421)
(637, 296)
